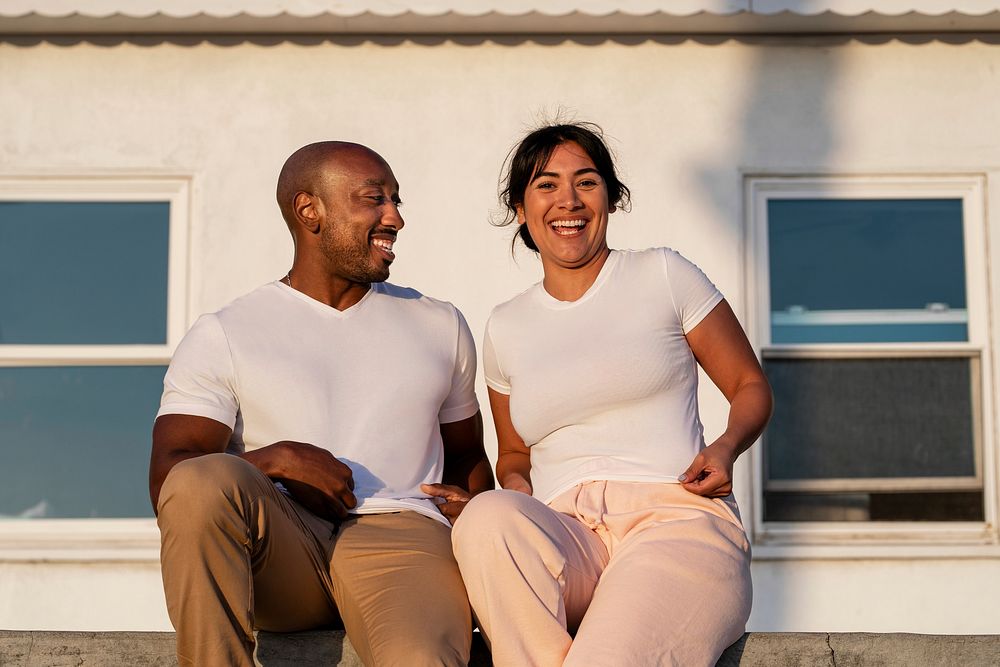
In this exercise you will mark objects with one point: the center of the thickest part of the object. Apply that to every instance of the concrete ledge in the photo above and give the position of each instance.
(329, 647)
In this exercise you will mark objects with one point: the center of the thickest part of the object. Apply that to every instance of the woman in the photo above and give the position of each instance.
(615, 521)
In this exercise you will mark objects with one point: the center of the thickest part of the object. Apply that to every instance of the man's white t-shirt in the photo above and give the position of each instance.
(371, 384)
(604, 387)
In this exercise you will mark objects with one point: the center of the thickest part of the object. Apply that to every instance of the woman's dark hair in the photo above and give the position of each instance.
(534, 152)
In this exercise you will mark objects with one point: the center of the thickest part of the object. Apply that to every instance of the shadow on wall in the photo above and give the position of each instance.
(787, 119)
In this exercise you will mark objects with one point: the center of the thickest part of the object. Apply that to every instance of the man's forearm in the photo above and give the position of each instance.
(471, 473)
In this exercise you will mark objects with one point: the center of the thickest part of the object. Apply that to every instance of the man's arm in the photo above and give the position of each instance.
(314, 477)
(466, 468)
(177, 438)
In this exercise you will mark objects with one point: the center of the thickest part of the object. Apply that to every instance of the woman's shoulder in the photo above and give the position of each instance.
(649, 260)
(516, 303)
(512, 313)
(659, 257)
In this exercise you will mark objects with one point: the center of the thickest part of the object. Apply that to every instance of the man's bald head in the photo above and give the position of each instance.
(308, 168)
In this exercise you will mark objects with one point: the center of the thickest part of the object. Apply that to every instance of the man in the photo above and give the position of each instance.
(302, 437)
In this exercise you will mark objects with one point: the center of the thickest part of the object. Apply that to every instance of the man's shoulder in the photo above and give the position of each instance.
(256, 303)
(413, 300)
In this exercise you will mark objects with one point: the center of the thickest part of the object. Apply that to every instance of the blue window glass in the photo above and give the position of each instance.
(83, 272)
(76, 440)
(866, 270)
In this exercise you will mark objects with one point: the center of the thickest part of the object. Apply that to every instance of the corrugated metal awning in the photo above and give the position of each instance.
(496, 17)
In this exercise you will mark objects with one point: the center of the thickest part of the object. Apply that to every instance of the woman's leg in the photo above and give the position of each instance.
(530, 573)
(677, 590)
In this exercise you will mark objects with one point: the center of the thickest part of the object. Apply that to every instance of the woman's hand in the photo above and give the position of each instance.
(711, 472)
(516, 482)
(722, 349)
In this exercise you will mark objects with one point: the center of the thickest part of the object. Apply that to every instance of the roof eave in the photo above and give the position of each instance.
(452, 23)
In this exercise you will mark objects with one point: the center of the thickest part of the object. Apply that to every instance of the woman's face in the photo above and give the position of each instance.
(566, 209)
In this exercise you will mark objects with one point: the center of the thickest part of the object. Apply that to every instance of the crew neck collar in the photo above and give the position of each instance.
(551, 302)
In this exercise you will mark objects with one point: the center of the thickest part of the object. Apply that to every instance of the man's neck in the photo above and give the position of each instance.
(334, 291)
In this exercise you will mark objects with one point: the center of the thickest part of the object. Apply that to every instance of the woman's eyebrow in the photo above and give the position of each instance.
(578, 172)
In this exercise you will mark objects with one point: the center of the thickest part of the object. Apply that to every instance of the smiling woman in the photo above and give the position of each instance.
(605, 473)
(534, 152)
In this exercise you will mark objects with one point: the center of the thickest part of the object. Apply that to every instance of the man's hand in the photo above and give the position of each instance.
(711, 472)
(314, 477)
(455, 498)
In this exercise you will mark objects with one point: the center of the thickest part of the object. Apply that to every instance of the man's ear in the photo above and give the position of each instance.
(308, 210)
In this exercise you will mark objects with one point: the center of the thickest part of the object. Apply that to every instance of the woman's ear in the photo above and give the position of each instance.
(519, 209)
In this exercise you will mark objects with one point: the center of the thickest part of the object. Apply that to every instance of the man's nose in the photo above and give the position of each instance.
(392, 217)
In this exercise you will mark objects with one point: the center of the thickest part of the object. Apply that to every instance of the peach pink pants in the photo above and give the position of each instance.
(643, 573)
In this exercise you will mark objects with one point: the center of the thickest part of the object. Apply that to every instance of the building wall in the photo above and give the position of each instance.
(687, 118)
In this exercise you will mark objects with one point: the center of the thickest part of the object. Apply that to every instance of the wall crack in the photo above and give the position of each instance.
(833, 656)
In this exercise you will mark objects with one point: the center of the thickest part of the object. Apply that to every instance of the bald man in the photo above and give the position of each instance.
(315, 439)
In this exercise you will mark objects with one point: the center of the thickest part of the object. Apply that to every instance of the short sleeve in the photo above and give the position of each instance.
(200, 379)
(461, 402)
(495, 379)
(693, 293)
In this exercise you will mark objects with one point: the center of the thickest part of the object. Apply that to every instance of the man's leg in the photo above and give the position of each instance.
(399, 591)
(237, 555)
(530, 571)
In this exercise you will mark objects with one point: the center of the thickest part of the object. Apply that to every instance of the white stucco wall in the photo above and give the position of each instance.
(687, 118)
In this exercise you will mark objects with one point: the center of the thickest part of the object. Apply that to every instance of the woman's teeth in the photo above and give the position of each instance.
(567, 227)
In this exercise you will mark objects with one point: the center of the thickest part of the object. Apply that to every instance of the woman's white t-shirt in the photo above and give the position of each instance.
(604, 387)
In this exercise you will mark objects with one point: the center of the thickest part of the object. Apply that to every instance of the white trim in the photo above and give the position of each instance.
(895, 552)
(84, 355)
(852, 539)
(79, 540)
(868, 350)
(958, 533)
(885, 316)
(866, 484)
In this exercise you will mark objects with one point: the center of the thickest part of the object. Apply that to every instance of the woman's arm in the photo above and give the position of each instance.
(721, 347)
(513, 458)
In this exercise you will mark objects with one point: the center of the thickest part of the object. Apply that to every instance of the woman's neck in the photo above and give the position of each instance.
(571, 283)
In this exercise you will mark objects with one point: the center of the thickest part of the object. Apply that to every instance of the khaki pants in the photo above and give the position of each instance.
(237, 555)
(644, 574)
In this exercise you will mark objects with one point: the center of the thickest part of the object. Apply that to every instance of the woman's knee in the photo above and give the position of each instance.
(495, 518)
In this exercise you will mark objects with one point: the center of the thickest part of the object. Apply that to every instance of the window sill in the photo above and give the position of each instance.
(873, 540)
(80, 540)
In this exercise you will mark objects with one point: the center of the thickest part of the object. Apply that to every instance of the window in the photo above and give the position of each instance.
(871, 320)
(92, 303)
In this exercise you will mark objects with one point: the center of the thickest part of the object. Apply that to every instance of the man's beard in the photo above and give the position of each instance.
(352, 257)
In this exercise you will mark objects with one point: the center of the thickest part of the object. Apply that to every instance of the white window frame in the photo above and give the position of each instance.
(879, 539)
(107, 538)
